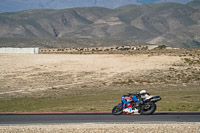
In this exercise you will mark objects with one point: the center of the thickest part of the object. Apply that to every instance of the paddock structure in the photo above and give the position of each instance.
(9, 50)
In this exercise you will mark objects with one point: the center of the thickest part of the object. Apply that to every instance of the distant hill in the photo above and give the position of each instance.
(19, 5)
(194, 4)
(173, 24)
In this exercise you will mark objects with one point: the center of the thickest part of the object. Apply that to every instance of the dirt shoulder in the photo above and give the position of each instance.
(23, 74)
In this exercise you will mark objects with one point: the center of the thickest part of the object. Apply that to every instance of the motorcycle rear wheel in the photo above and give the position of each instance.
(148, 108)
(117, 110)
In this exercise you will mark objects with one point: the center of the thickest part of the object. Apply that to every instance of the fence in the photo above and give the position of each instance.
(94, 49)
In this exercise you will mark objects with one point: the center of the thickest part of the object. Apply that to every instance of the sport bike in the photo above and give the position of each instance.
(143, 106)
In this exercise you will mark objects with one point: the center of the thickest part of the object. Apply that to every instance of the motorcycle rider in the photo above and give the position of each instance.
(144, 94)
(127, 107)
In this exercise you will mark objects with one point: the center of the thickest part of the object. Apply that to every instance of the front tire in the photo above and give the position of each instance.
(117, 110)
(148, 108)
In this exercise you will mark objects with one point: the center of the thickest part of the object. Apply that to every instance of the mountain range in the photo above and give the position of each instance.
(19, 5)
(173, 24)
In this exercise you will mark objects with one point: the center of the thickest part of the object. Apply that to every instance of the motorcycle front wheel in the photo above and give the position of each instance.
(148, 108)
(117, 110)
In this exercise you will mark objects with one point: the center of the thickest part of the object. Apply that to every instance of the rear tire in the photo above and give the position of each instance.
(117, 110)
(148, 111)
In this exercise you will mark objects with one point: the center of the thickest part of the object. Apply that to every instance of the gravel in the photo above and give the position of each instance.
(101, 128)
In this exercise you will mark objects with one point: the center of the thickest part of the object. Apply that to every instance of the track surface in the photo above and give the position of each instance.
(42, 118)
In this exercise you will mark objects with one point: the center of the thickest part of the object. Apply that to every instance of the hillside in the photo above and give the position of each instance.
(174, 24)
(194, 4)
(19, 5)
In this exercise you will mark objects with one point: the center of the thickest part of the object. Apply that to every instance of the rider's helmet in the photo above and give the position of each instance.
(143, 92)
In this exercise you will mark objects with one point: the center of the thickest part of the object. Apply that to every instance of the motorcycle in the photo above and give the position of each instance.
(143, 106)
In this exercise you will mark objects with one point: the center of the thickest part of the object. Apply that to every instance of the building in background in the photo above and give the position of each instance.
(19, 50)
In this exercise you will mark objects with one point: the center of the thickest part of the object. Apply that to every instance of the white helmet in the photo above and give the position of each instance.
(143, 92)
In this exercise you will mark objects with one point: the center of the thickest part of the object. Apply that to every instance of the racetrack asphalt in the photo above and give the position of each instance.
(47, 118)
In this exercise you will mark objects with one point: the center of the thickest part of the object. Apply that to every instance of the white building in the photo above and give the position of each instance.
(9, 50)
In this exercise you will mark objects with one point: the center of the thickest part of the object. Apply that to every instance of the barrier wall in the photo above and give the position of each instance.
(19, 50)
